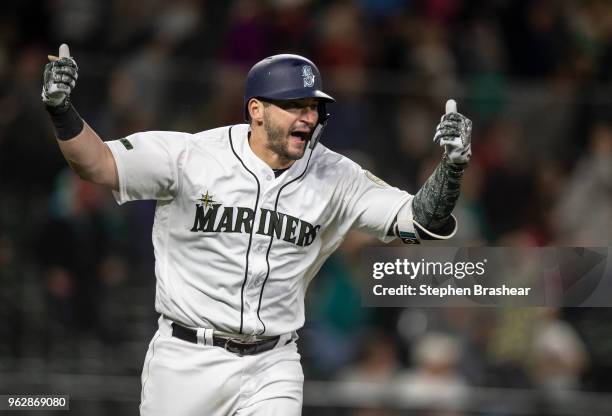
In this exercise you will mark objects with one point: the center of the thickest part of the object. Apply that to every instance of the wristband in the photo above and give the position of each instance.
(67, 123)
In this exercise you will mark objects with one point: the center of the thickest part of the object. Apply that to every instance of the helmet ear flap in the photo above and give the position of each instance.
(323, 117)
(322, 110)
(316, 134)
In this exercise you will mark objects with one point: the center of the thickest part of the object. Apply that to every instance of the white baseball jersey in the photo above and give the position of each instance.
(235, 247)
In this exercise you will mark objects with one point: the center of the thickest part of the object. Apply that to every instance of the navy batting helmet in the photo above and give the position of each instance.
(287, 77)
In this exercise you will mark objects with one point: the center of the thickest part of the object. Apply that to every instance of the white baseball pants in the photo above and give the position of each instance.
(180, 378)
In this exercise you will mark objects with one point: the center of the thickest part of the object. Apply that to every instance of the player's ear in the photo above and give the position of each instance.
(256, 110)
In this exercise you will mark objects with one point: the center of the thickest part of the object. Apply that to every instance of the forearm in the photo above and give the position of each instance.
(90, 158)
(82, 148)
(433, 204)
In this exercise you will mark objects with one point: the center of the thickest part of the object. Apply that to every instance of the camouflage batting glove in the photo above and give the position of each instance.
(454, 133)
(59, 79)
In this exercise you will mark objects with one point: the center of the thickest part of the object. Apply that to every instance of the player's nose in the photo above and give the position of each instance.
(309, 115)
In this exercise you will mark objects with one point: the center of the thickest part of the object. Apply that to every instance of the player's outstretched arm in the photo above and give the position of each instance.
(431, 208)
(82, 148)
(434, 202)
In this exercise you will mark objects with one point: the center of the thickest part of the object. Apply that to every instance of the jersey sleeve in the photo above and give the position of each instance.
(148, 165)
(371, 204)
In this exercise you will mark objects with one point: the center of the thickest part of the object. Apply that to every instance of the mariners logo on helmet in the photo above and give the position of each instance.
(309, 77)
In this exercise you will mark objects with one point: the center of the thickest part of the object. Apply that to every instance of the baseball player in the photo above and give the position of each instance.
(246, 215)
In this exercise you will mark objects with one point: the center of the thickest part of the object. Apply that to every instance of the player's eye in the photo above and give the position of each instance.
(293, 105)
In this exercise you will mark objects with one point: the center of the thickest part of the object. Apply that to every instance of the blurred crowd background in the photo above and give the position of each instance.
(76, 271)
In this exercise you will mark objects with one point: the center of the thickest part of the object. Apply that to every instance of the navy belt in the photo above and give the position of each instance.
(233, 345)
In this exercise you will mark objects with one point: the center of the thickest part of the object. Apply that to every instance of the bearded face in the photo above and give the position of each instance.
(289, 125)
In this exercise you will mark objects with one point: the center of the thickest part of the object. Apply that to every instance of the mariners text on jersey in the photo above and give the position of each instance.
(236, 246)
(212, 219)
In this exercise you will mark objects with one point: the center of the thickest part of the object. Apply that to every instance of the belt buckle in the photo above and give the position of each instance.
(236, 346)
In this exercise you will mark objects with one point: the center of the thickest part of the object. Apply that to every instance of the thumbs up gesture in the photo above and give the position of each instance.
(454, 133)
(59, 79)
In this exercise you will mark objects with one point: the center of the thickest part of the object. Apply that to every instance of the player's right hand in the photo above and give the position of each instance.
(59, 79)
(454, 134)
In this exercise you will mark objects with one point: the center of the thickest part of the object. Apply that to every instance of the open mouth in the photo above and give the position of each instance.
(300, 135)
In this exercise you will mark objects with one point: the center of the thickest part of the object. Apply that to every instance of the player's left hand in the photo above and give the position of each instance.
(454, 133)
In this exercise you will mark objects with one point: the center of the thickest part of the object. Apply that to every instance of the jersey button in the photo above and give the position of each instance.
(269, 177)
